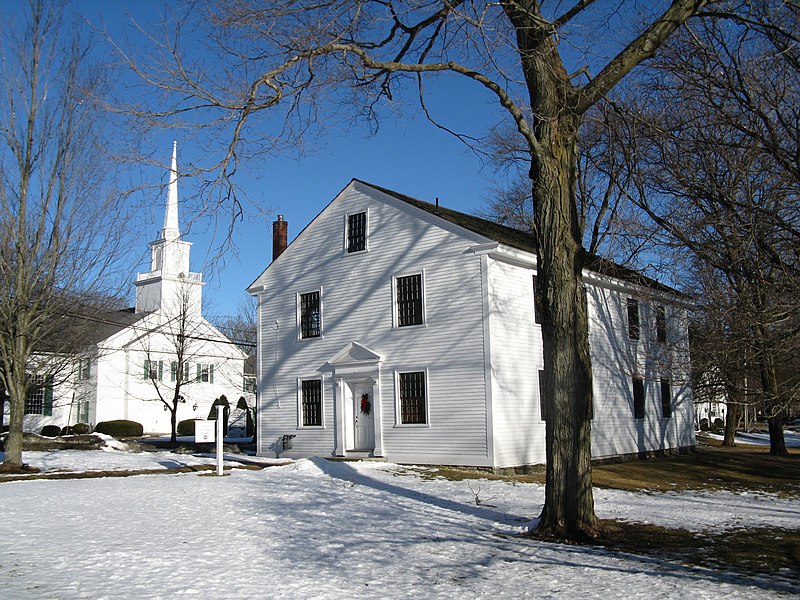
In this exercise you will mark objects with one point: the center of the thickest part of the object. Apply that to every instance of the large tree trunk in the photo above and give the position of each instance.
(13, 446)
(777, 443)
(769, 383)
(569, 505)
(731, 420)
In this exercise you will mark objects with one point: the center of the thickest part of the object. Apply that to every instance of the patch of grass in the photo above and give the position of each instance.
(763, 552)
(710, 467)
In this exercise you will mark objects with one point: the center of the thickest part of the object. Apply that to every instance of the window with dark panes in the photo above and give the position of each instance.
(638, 398)
(309, 315)
(39, 399)
(311, 400)
(661, 324)
(633, 319)
(357, 232)
(536, 318)
(542, 412)
(412, 398)
(409, 300)
(666, 399)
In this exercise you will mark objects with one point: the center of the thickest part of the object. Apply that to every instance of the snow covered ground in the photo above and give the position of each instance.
(761, 438)
(319, 529)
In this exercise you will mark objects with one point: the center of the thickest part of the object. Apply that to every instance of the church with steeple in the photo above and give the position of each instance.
(145, 361)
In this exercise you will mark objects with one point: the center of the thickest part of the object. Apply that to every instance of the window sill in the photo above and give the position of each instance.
(412, 425)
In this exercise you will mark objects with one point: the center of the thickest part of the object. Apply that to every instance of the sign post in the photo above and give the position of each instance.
(219, 440)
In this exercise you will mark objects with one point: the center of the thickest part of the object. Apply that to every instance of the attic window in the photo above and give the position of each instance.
(357, 232)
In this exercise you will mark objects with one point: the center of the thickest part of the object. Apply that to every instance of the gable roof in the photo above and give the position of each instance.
(522, 240)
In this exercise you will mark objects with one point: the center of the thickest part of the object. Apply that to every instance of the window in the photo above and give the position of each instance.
(173, 372)
(205, 373)
(409, 300)
(633, 319)
(39, 399)
(357, 232)
(310, 320)
(536, 318)
(666, 399)
(249, 383)
(638, 398)
(661, 323)
(84, 368)
(542, 412)
(154, 370)
(311, 402)
(413, 409)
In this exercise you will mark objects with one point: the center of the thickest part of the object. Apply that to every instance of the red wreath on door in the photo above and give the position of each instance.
(365, 404)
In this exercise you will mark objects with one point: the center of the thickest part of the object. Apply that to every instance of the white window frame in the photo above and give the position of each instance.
(84, 368)
(300, 381)
(204, 369)
(395, 313)
(298, 315)
(398, 423)
(346, 235)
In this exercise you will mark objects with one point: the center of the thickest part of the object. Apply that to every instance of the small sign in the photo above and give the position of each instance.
(204, 432)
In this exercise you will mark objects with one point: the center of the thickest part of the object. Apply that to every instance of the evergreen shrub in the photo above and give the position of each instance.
(120, 428)
(51, 431)
(186, 427)
(77, 429)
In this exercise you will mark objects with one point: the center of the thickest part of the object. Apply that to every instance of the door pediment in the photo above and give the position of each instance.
(353, 358)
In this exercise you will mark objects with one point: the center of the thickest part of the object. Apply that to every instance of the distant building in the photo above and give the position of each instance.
(395, 328)
(133, 354)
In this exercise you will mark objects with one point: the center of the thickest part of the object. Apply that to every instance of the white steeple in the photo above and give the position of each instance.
(171, 229)
(169, 284)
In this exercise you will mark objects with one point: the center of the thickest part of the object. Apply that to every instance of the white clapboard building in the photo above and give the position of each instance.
(396, 328)
(131, 360)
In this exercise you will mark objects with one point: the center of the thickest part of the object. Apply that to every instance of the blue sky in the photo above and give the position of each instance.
(408, 155)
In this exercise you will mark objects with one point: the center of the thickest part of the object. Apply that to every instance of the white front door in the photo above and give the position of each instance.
(364, 423)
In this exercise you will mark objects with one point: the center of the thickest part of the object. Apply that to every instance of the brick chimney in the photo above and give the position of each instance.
(280, 229)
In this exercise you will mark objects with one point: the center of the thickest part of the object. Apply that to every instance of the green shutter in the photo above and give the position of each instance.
(186, 372)
(199, 373)
(160, 370)
(210, 373)
(147, 369)
(47, 407)
(173, 371)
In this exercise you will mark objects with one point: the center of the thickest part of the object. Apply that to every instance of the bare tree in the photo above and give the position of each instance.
(57, 207)
(297, 59)
(181, 351)
(718, 183)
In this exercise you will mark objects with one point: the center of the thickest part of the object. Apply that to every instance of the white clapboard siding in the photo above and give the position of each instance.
(479, 345)
(357, 305)
(616, 359)
(516, 357)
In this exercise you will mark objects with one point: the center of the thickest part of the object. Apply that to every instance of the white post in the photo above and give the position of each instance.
(220, 410)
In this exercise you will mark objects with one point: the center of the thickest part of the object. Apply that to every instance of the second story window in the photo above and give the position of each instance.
(409, 300)
(633, 319)
(84, 368)
(661, 323)
(357, 232)
(154, 369)
(205, 373)
(310, 318)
